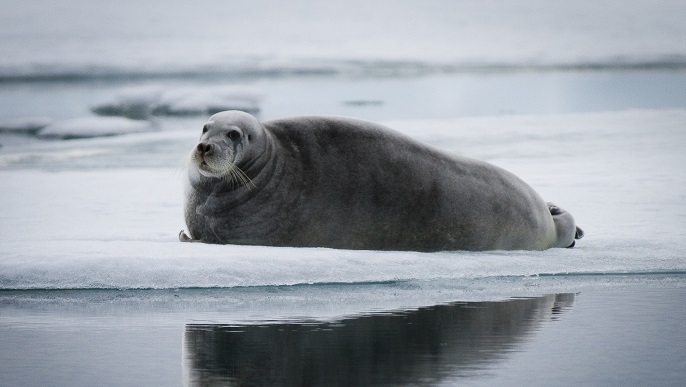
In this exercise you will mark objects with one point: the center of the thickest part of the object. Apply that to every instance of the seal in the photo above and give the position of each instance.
(351, 184)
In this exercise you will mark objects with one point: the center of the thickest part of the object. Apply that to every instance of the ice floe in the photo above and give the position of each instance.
(86, 127)
(26, 125)
(146, 101)
(112, 220)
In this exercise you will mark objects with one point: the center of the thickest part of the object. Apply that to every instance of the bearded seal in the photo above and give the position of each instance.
(351, 184)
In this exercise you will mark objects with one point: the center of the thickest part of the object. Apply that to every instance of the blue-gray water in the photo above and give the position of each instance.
(487, 93)
(625, 335)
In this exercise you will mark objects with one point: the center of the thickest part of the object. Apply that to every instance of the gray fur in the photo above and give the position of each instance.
(351, 184)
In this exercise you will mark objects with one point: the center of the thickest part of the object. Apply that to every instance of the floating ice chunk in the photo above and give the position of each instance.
(87, 127)
(145, 101)
(191, 102)
(184, 102)
(137, 102)
(194, 101)
(28, 125)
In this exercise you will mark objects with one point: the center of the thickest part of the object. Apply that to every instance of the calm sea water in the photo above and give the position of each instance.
(624, 335)
(489, 93)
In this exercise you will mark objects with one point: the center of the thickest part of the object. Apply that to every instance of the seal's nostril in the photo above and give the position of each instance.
(204, 148)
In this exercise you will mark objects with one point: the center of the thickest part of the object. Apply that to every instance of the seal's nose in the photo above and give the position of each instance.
(204, 148)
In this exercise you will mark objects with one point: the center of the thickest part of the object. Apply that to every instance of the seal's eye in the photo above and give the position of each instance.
(233, 135)
(204, 129)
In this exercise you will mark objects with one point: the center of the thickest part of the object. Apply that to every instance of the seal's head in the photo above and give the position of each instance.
(229, 141)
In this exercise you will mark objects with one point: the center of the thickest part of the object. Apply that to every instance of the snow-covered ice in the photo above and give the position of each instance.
(116, 226)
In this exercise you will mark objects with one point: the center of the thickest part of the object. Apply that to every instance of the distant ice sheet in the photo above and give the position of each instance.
(271, 37)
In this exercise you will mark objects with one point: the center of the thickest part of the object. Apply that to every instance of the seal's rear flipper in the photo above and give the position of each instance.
(565, 228)
(577, 235)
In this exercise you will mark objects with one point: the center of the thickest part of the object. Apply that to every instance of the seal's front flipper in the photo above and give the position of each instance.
(183, 237)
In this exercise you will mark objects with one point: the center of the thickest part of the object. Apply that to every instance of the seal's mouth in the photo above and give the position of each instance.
(207, 171)
(221, 168)
(204, 167)
(201, 163)
(201, 160)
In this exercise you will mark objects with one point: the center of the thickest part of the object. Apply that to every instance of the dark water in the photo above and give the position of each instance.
(629, 335)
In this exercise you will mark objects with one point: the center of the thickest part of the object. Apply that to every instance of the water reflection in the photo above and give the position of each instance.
(421, 346)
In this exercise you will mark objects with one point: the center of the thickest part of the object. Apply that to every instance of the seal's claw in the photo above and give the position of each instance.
(183, 237)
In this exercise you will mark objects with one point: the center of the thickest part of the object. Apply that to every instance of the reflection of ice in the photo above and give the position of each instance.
(422, 346)
(151, 100)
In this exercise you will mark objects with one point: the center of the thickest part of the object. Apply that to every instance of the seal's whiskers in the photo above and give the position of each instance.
(235, 174)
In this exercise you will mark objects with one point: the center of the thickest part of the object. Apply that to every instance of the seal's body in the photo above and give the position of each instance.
(351, 184)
